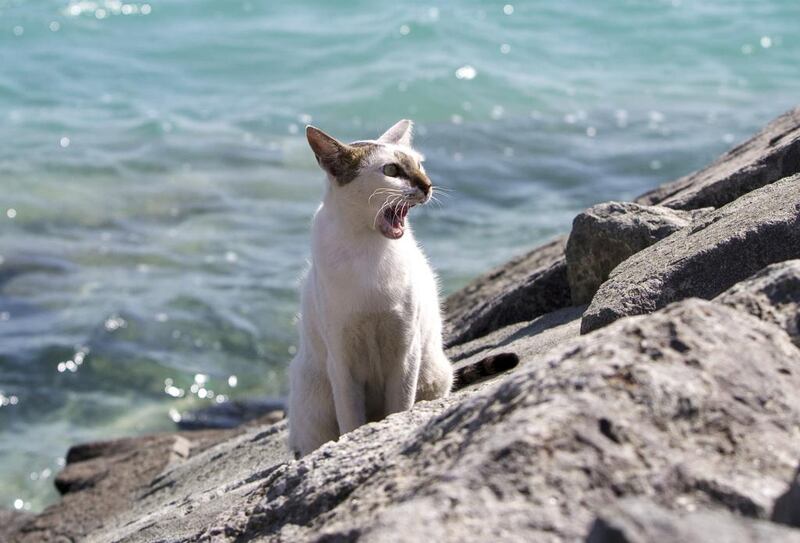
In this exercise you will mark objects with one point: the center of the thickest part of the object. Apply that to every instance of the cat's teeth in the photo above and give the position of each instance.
(393, 225)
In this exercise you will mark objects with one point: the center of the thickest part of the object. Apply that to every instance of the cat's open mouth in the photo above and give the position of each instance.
(392, 222)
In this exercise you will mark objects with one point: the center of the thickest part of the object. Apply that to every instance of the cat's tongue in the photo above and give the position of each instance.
(393, 221)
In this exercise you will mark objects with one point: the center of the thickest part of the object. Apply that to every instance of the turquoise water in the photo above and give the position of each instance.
(155, 187)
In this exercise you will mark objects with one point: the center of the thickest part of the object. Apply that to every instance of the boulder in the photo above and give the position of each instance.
(773, 295)
(102, 479)
(678, 425)
(694, 405)
(770, 155)
(519, 290)
(232, 413)
(639, 520)
(787, 506)
(716, 252)
(608, 233)
(541, 334)
(11, 522)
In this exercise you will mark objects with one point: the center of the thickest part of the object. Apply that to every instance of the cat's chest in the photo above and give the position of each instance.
(354, 285)
(368, 269)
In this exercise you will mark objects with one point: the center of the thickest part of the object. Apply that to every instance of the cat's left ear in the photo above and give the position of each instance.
(399, 134)
(331, 154)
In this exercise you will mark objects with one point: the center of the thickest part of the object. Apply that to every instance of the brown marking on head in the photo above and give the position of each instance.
(340, 160)
(411, 171)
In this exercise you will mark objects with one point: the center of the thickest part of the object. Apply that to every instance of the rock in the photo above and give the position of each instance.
(609, 233)
(103, 479)
(695, 405)
(787, 506)
(231, 414)
(541, 334)
(91, 463)
(770, 155)
(716, 252)
(520, 290)
(668, 426)
(637, 520)
(11, 522)
(773, 295)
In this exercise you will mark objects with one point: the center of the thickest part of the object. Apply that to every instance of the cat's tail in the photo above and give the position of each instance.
(486, 367)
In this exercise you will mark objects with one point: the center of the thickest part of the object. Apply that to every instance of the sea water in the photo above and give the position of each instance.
(156, 188)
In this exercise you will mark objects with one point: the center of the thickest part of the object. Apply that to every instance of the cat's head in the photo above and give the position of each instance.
(376, 181)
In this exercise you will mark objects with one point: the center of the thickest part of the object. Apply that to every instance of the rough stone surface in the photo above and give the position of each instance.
(695, 405)
(770, 155)
(669, 426)
(609, 233)
(787, 506)
(541, 334)
(102, 479)
(11, 522)
(773, 295)
(637, 520)
(716, 252)
(520, 290)
(232, 413)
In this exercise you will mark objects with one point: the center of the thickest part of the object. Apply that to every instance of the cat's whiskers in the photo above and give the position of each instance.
(377, 214)
(436, 200)
(441, 192)
(376, 192)
(388, 203)
(382, 190)
(404, 198)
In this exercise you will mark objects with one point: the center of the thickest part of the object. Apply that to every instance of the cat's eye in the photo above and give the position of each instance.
(391, 170)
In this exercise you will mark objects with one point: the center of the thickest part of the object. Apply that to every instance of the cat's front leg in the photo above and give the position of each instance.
(401, 381)
(348, 393)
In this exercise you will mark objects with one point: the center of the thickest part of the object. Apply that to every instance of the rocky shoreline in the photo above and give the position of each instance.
(656, 400)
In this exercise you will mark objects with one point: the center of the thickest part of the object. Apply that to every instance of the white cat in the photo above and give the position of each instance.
(370, 327)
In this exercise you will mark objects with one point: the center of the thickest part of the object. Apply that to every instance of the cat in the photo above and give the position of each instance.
(370, 322)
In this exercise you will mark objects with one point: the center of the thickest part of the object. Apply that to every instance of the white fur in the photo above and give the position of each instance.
(370, 327)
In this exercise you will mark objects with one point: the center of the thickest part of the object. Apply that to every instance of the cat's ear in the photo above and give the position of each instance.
(330, 152)
(399, 134)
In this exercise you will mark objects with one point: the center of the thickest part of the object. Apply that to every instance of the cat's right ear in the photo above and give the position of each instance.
(329, 151)
(399, 134)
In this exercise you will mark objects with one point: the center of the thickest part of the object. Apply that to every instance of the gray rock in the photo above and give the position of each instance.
(609, 233)
(541, 334)
(695, 405)
(519, 290)
(773, 295)
(787, 506)
(12, 522)
(103, 479)
(716, 252)
(770, 155)
(637, 520)
(231, 414)
(693, 408)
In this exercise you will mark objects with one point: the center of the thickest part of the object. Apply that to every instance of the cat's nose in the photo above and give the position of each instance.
(423, 183)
